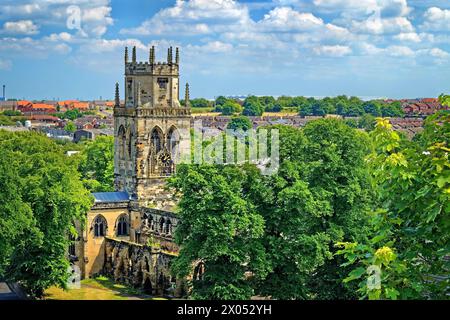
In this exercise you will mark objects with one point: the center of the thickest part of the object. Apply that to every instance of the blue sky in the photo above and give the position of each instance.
(367, 48)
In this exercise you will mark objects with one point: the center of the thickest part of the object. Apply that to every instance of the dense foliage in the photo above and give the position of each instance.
(410, 233)
(240, 123)
(340, 105)
(41, 195)
(275, 235)
(97, 164)
(219, 228)
(73, 114)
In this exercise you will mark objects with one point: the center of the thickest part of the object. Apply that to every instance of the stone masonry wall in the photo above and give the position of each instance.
(142, 267)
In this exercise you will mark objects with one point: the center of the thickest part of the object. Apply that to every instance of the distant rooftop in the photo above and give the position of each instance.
(110, 197)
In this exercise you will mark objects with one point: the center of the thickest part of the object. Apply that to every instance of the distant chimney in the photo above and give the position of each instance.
(4, 89)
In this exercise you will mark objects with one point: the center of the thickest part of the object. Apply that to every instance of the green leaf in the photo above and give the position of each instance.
(391, 293)
(355, 274)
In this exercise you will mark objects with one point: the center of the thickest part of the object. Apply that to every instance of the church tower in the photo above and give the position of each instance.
(151, 128)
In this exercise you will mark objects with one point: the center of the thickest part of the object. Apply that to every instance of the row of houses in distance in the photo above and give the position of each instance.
(50, 106)
(420, 107)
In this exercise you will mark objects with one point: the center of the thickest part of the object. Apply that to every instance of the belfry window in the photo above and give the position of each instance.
(162, 82)
(122, 226)
(156, 141)
(99, 226)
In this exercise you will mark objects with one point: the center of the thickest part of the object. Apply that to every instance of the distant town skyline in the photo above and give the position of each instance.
(366, 48)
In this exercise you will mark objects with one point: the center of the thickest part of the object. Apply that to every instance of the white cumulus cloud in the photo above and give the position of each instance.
(24, 27)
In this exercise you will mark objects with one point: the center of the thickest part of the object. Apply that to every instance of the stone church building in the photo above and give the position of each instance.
(128, 233)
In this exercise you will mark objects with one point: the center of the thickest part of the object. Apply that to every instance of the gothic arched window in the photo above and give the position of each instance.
(162, 222)
(168, 227)
(121, 137)
(99, 226)
(156, 146)
(122, 226)
(156, 140)
(129, 142)
(151, 223)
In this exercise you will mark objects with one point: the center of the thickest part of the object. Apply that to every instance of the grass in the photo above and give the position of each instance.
(100, 288)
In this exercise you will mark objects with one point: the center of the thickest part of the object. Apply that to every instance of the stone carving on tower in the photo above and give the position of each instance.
(151, 128)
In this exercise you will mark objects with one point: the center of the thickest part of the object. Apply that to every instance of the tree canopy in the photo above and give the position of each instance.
(97, 164)
(410, 230)
(41, 197)
(275, 235)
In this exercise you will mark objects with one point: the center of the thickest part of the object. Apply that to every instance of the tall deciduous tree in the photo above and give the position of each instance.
(321, 194)
(43, 196)
(97, 164)
(411, 230)
(275, 235)
(219, 230)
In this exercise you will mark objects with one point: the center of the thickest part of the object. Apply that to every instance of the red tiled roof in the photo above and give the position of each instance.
(42, 106)
(65, 102)
(44, 118)
(79, 105)
(23, 103)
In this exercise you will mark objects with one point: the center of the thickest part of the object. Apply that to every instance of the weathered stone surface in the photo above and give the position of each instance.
(151, 133)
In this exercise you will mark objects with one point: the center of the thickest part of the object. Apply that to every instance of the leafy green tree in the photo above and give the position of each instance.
(43, 196)
(220, 101)
(411, 229)
(219, 229)
(240, 123)
(352, 123)
(318, 108)
(299, 102)
(285, 102)
(231, 107)
(70, 114)
(367, 122)
(444, 99)
(276, 107)
(320, 194)
(393, 109)
(200, 103)
(97, 164)
(355, 110)
(341, 108)
(11, 113)
(252, 107)
(6, 121)
(70, 127)
(306, 110)
(373, 108)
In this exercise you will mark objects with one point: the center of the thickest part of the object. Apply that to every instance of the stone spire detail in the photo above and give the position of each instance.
(139, 102)
(169, 55)
(126, 55)
(187, 102)
(117, 96)
(152, 55)
(134, 55)
(177, 56)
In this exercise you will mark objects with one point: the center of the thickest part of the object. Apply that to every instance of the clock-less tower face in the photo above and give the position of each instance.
(151, 128)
